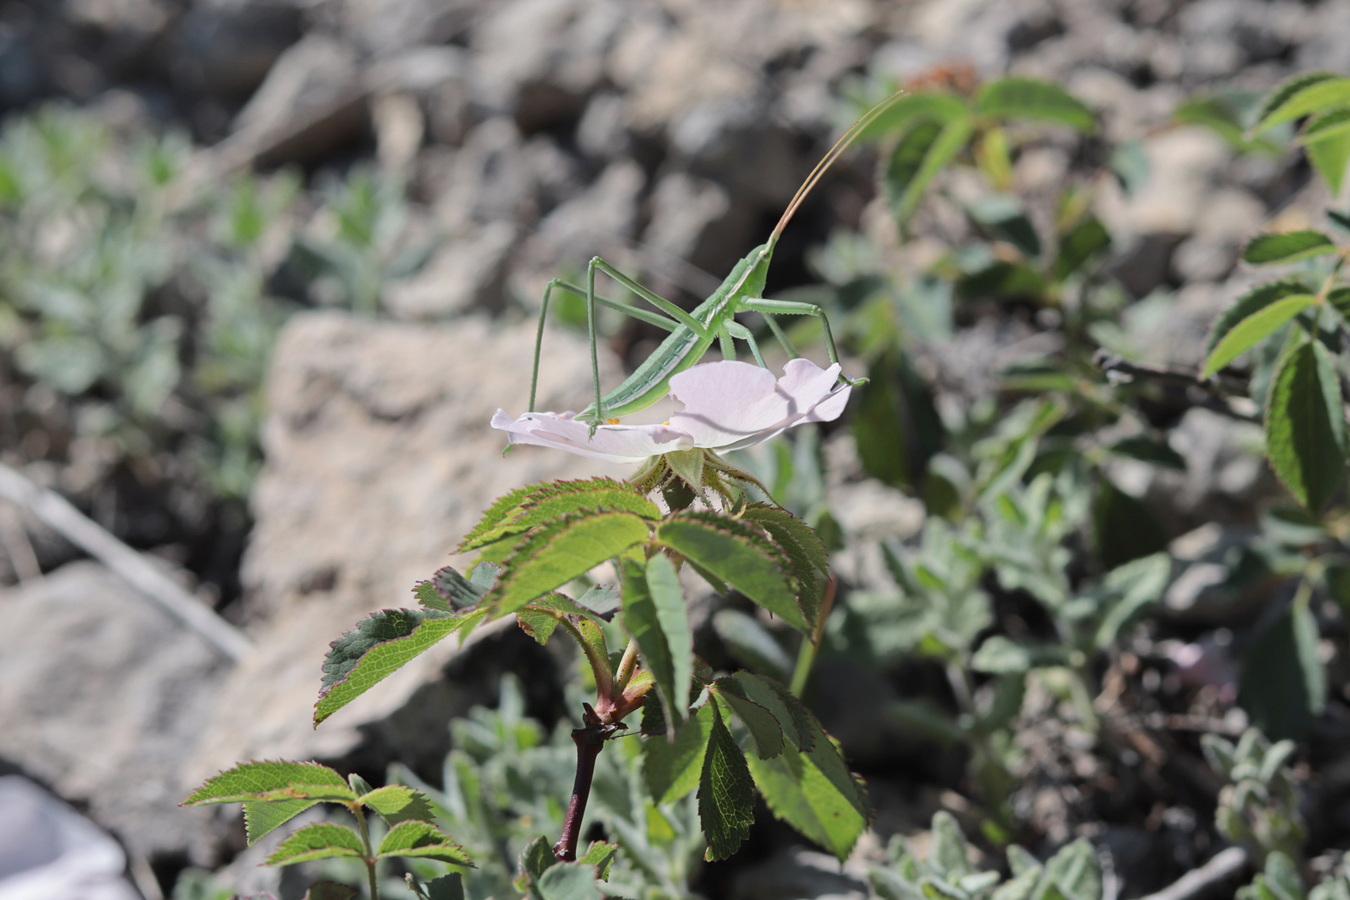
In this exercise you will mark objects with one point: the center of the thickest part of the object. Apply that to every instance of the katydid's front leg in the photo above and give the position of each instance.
(796, 308)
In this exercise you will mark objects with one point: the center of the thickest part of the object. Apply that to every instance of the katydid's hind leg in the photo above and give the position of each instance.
(637, 312)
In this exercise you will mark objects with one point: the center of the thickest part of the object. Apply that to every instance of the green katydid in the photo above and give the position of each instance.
(691, 334)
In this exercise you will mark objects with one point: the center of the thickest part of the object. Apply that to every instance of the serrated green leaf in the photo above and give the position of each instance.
(1328, 148)
(398, 803)
(378, 647)
(457, 592)
(804, 551)
(1305, 425)
(794, 719)
(1254, 328)
(1028, 98)
(536, 859)
(423, 840)
(814, 793)
(560, 551)
(671, 770)
(726, 795)
(250, 780)
(601, 855)
(738, 555)
(493, 517)
(1283, 247)
(1301, 95)
(764, 727)
(655, 614)
(322, 840)
(1251, 301)
(1329, 124)
(273, 792)
(540, 504)
(541, 617)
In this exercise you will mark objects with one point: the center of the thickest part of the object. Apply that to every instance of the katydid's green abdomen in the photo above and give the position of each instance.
(649, 382)
(684, 347)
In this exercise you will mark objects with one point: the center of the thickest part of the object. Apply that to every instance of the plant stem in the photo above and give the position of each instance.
(369, 858)
(590, 740)
(806, 654)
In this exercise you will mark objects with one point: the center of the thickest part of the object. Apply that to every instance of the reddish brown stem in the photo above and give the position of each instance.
(590, 740)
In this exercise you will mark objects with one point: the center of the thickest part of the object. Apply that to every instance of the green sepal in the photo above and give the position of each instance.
(423, 840)
(379, 646)
(322, 840)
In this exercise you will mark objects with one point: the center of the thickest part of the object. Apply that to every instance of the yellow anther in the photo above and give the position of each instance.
(611, 421)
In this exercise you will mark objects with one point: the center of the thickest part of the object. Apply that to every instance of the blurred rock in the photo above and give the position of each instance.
(379, 459)
(468, 273)
(314, 99)
(224, 48)
(112, 694)
(50, 852)
(540, 60)
(1213, 585)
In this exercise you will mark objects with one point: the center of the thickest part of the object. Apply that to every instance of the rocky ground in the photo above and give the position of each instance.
(665, 136)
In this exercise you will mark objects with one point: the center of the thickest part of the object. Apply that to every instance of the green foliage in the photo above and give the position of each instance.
(274, 792)
(1071, 874)
(141, 293)
(1259, 804)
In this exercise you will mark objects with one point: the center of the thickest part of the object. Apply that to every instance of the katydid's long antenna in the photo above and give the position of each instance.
(823, 166)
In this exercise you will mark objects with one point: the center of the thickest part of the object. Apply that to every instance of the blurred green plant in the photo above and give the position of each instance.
(1259, 804)
(1071, 874)
(142, 293)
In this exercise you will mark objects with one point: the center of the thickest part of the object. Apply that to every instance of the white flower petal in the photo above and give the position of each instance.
(615, 443)
(728, 405)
